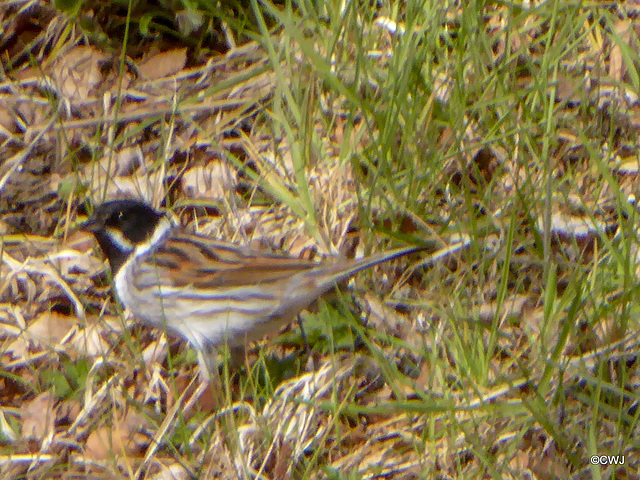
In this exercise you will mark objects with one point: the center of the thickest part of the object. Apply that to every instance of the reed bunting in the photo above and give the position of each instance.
(207, 291)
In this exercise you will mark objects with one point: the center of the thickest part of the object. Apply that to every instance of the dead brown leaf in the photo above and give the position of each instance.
(122, 438)
(76, 73)
(38, 416)
(215, 180)
(163, 64)
(46, 331)
(617, 66)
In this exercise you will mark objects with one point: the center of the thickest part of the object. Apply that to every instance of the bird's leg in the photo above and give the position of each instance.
(307, 350)
(207, 363)
(311, 361)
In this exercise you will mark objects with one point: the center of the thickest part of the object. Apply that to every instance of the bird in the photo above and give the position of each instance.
(206, 291)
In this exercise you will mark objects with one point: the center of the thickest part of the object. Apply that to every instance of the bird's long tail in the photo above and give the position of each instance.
(327, 277)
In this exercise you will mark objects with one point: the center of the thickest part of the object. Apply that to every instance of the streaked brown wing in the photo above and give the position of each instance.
(190, 260)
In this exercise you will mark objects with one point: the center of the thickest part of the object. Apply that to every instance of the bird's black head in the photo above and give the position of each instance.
(121, 225)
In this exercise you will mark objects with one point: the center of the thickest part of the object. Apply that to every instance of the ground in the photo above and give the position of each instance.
(503, 137)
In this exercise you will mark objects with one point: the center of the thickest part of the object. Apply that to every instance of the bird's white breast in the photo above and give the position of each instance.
(144, 306)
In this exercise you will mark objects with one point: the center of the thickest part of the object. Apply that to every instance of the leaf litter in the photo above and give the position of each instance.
(193, 131)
